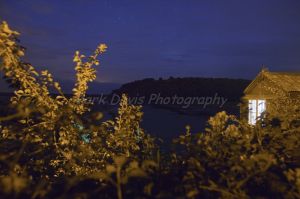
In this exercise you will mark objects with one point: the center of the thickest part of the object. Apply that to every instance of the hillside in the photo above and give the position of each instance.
(232, 89)
(199, 96)
(187, 87)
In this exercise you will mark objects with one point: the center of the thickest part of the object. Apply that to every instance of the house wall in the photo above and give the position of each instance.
(281, 103)
(244, 111)
(263, 90)
(244, 107)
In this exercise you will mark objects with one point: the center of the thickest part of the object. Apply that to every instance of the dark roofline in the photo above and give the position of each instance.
(264, 73)
(258, 77)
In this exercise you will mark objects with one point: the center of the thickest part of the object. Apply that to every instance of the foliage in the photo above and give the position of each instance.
(54, 147)
(46, 136)
(233, 159)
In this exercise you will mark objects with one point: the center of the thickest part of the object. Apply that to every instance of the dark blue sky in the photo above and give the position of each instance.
(160, 38)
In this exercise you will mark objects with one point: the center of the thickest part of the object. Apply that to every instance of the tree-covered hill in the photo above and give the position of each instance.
(232, 89)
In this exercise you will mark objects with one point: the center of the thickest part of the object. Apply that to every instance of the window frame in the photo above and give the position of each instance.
(257, 112)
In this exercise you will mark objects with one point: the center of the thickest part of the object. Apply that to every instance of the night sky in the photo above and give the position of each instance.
(159, 38)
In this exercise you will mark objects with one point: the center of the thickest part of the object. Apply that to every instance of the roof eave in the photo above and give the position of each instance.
(254, 82)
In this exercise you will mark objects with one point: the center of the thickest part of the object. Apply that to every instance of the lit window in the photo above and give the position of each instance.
(256, 109)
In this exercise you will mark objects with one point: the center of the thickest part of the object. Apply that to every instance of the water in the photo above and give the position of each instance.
(167, 124)
(163, 123)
